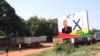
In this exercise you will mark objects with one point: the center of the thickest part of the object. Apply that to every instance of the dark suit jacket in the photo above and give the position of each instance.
(69, 30)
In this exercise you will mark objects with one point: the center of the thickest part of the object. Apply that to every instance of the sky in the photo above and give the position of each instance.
(57, 8)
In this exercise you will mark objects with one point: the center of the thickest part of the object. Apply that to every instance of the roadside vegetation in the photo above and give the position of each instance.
(66, 50)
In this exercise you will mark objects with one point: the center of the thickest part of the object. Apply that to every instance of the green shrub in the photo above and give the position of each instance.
(63, 47)
(1, 33)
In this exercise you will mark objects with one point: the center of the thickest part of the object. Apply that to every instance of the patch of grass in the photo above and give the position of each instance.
(90, 50)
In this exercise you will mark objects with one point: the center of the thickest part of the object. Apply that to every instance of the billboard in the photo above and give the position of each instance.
(73, 25)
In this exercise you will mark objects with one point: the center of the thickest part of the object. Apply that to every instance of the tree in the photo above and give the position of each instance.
(10, 23)
(32, 23)
(93, 31)
(40, 26)
(53, 29)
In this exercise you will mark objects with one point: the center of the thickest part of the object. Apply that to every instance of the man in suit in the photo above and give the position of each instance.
(67, 29)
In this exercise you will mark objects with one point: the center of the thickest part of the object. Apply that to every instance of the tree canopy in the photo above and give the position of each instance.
(41, 26)
(10, 22)
(93, 31)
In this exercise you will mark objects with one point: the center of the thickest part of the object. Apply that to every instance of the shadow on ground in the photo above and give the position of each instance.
(13, 49)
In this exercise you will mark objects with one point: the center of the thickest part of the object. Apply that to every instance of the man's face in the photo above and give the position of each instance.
(65, 23)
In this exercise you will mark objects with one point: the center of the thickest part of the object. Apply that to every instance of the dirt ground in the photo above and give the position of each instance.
(28, 51)
(98, 54)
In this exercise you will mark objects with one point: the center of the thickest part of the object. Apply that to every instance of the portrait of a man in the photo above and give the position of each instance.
(66, 29)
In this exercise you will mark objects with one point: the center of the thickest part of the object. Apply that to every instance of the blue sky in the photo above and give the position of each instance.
(57, 8)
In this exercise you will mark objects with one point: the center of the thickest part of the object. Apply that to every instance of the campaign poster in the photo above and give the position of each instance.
(73, 25)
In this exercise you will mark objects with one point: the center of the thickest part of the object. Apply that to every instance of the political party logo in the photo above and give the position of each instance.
(73, 25)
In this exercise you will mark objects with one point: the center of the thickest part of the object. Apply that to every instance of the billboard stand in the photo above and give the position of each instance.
(72, 42)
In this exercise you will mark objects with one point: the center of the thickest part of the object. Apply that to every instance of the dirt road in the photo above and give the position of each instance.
(29, 51)
(98, 54)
